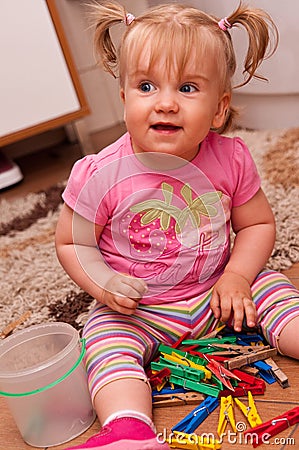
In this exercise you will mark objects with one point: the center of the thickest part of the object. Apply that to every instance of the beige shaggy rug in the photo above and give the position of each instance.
(32, 279)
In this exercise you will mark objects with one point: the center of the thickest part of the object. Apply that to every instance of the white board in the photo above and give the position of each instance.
(35, 83)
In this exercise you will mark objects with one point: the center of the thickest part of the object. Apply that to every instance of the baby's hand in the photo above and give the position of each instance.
(232, 294)
(123, 292)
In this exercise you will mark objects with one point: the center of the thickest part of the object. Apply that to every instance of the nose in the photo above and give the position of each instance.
(166, 102)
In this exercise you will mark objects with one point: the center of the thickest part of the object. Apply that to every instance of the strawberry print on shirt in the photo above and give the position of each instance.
(153, 216)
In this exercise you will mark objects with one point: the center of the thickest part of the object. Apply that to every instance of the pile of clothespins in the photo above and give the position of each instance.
(213, 372)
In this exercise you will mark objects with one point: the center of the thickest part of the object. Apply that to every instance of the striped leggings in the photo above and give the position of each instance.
(120, 346)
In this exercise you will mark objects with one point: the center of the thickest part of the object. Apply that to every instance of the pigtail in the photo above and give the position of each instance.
(104, 16)
(262, 35)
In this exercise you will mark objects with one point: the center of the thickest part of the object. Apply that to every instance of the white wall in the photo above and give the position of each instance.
(100, 88)
(272, 104)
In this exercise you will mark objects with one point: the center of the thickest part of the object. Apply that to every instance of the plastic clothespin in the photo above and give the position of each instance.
(179, 370)
(265, 371)
(183, 354)
(178, 343)
(247, 383)
(210, 335)
(226, 415)
(197, 416)
(222, 373)
(219, 374)
(185, 360)
(249, 411)
(203, 387)
(249, 338)
(204, 341)
(272, 427)
(168, 390)
(158, 378)
(193, 442)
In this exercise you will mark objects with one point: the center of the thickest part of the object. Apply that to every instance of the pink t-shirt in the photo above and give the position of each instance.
(165, 219)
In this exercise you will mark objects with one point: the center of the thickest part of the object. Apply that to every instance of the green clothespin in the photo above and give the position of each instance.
(209, 341)
(170, 351)
(175, 358)
(180, 371)
(204, 388)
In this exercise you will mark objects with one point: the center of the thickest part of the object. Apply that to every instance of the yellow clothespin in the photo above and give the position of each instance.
(250, 411)
(193, 442)
(226, 415)
(160, 386)
(178, 359)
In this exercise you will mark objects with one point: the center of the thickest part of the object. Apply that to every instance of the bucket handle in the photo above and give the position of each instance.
(54, 383)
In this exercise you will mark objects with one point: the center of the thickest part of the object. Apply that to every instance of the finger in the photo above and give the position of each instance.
(123, 286)
(129, 291)
(137, 284)
(215, 305)
(135, 287)
(124, 305)
(118, 302)
(238, 307)
(226, 307)
(250, 312)
(125, 302)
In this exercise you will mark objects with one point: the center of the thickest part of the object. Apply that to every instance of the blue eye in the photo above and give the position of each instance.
(188, 88)
(146, 87)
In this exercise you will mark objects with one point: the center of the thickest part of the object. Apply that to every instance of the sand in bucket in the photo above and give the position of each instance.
(44, 381)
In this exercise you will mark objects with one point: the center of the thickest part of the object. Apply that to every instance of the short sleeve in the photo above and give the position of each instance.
(83, 191)
(244, 171)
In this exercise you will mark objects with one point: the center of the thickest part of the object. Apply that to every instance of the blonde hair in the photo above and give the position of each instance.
(179, 31)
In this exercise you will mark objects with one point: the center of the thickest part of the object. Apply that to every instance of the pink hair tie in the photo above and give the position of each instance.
(129, 19)
(224, 24)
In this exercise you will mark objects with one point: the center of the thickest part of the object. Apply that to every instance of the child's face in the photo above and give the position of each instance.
(172, 114)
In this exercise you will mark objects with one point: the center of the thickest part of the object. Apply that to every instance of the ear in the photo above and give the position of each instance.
(123, 98)
(122, 95)
(222, 108)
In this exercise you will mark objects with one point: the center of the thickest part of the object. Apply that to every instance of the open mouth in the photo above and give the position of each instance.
(165, 127)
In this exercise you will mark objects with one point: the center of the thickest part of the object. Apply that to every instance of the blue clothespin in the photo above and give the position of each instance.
(247, 339)
(265, 371)
(197, 416)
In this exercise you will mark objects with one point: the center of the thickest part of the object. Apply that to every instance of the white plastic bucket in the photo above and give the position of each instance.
(45, 384)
